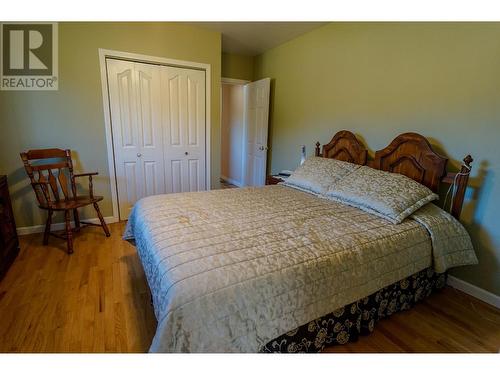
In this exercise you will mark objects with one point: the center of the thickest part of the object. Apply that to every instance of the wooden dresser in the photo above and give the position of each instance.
(9, 243)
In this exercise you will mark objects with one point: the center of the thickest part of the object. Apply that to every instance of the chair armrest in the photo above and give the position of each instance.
(91, 186)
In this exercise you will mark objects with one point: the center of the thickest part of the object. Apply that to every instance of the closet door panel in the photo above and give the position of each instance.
(195, 129)
(183, 111)
(150, 128)
(193, 169)
(122, 86)
(135, 106)
(130, 188)
(175, 174)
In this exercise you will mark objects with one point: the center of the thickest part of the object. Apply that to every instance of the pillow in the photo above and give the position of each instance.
(392, 196)
(317, 174)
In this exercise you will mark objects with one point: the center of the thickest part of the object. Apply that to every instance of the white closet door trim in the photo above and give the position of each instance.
(106, 53)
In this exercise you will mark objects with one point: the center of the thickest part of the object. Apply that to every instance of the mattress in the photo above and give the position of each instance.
(231, 269)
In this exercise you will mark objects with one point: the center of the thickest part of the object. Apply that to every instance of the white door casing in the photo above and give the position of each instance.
(158, 126)
(256, 129)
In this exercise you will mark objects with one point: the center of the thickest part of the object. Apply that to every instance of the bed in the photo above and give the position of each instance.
(277, 269)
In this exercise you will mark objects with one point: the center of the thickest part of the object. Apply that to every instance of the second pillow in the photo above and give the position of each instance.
(317, 174)
(392, 196)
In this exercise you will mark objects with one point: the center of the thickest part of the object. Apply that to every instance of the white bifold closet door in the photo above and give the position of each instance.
(183, 109)
(158, 126)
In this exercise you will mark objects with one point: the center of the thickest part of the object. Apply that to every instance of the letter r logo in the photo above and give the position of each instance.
(27, 49)
(29, 56)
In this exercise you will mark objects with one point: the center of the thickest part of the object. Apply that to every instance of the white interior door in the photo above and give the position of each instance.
(183, 108)
(256, 128)
(134, 91)
(158, 126)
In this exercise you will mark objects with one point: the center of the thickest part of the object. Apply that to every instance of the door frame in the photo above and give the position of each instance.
(135, 57)
(234, 82)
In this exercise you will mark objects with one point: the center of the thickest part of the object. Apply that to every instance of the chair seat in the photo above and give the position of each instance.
(70, 204)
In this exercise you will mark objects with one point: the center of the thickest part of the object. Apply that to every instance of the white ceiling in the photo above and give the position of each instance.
(254, 38)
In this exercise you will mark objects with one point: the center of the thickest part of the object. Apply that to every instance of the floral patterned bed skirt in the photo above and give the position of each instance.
(349, 322)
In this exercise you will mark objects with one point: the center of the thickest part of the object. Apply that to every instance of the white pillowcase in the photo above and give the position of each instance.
(317, 174)
(392, 196)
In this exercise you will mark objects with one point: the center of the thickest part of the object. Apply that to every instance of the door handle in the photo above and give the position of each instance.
(186, 153)
(139, 155)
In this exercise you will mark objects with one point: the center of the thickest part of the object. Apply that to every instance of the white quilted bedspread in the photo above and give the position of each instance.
(231, 269)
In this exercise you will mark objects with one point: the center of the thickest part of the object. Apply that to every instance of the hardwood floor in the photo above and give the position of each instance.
(447, 321)
(226, 185)
(97, 300)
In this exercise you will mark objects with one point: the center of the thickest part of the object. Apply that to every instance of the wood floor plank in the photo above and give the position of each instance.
(97, 300)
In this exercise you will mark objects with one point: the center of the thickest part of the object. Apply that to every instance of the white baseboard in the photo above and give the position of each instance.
(60, 226)
(231, 181)
(474, 291)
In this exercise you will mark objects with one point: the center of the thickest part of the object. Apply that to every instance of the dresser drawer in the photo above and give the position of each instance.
(9, 245)
(7, 226)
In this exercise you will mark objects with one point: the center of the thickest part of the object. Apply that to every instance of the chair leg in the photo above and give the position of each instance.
(101, 219)
(69, 232)
(48, 223)
(77, 218)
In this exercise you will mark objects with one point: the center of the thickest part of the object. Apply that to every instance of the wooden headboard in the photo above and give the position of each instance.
(412, 155)
(409, 154)
(346, 147)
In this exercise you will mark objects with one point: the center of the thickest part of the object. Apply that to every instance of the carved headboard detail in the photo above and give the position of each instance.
(344, 146)
(409, 154)
(412, 155)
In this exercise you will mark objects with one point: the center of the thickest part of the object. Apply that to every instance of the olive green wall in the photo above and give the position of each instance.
(380, 79)
(237, 66)
(73, 116)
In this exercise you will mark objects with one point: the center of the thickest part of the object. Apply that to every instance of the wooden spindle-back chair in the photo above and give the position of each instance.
(53, 181)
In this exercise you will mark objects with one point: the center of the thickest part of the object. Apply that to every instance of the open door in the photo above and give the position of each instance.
(256, 107)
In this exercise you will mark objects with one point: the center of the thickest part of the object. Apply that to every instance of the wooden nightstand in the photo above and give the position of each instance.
(273, 180)
(9, 244)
